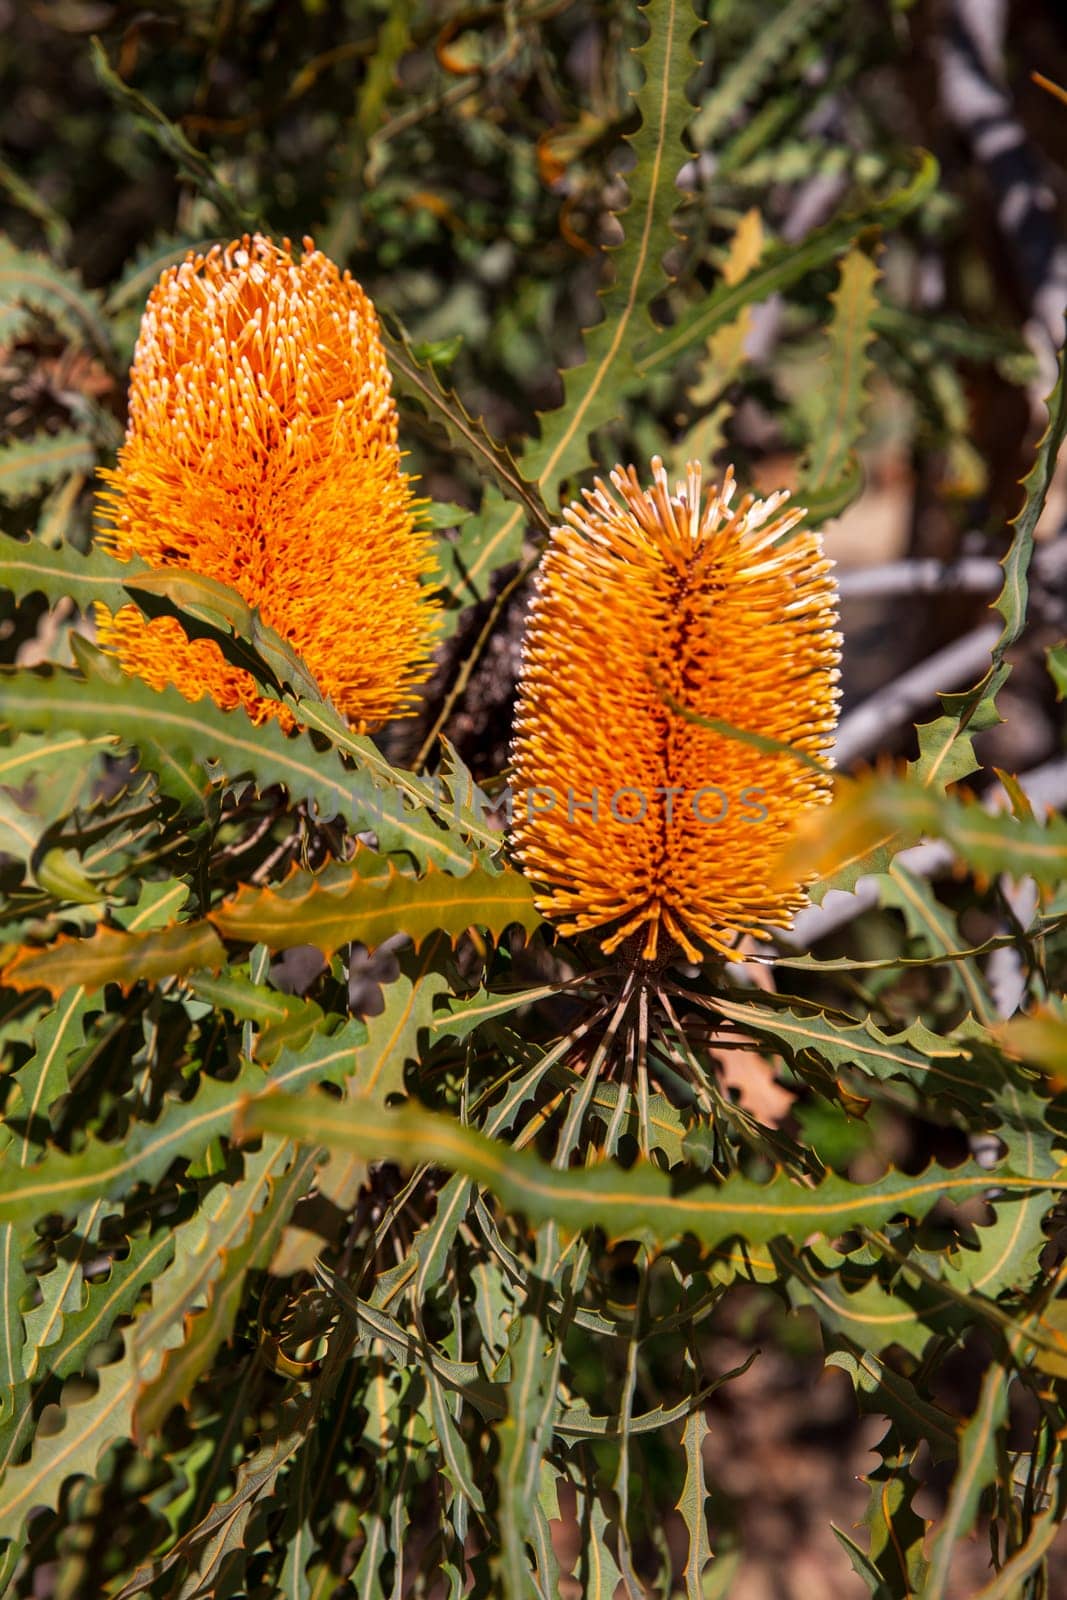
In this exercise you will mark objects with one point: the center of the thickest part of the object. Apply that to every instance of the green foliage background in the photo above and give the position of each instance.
(232, 1365)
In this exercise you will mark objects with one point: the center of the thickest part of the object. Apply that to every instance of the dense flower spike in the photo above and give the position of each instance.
(654, 615)
(262, 451)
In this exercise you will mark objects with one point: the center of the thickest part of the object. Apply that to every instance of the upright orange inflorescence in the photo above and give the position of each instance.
(262, 451)
(658, 615)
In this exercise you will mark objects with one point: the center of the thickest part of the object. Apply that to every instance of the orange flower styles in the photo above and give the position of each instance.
(656, 616)
(262, 451)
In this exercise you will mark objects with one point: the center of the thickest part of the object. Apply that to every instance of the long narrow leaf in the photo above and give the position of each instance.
(166, 727)
(637, 1204)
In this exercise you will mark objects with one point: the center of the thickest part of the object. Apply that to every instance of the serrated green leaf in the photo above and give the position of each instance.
(176, 738)
(946, 756)
(394, 1036)
(662, 1120)
(779, 269)
(1043, 1532)
(28, 566)
(725, 354)
(68, 1336)
(15, 1284)
(856, 1305)
(235, 1232)
(58, 873)
(1012, 600)
(883, 1391)
(692, 1503)
(976, 1469)
(927, 917)
(297, 1535)
(205, 608)
(204, 1552)
(282, 1020)
(30, 757)
(59, 1036)
(866, 810)
(367, 1576)
(591, 390)
(639, 1203)
(862, 1564)
(492, 538)
(446, 514)
(102, 1302)
(822, 505)
(63, 1183)
(462, 1017)
(372, 906)
(29, 465)
(897, 1532)
(914, 1053)
(1006, 1252)
(837, 422)
(49, 780)
(599, 1571)
(19, 833)
(33, 280)
(786, 30)
(458, 558)
(111, 955)
(456, 1456)
(523, 1434)
(90, 1427)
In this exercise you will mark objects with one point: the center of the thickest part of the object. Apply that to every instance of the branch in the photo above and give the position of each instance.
(968, 575)
(971, 574)
(957, 665)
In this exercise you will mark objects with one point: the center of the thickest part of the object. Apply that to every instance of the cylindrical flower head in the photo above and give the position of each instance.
(262, 451)
(655, 615)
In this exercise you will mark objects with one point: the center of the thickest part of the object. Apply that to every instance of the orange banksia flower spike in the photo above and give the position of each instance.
(656, 614)
(262, 451)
